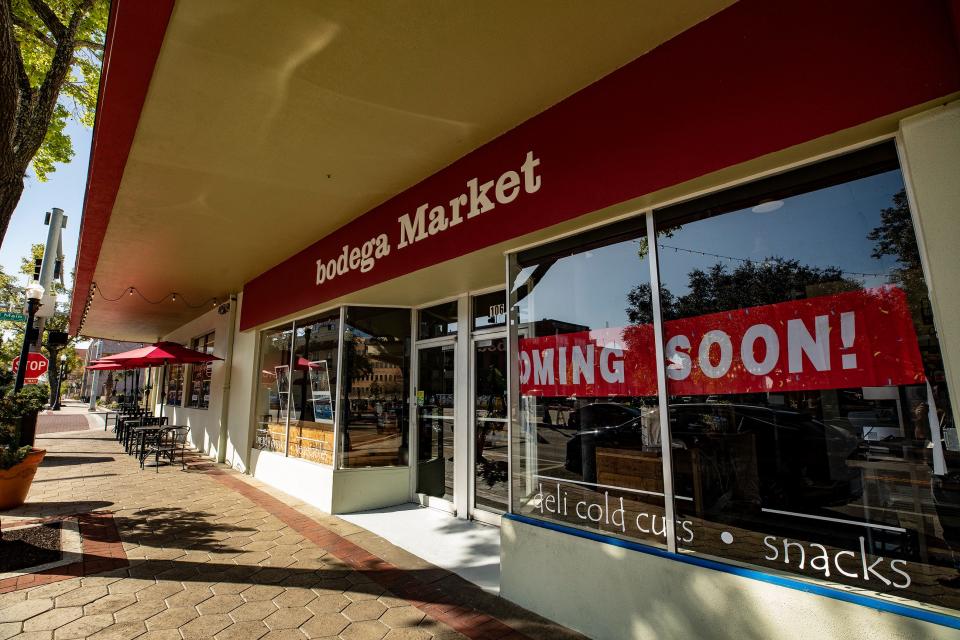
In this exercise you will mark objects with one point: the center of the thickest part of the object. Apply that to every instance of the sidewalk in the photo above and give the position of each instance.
(209, 553)
(72, 416)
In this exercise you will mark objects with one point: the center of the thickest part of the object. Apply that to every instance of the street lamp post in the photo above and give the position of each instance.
(34, 294)
(60, 377)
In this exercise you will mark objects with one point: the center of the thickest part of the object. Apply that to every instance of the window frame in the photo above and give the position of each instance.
(858, 160)
(190, 370)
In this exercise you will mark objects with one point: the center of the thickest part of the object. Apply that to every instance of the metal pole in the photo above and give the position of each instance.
(95, 377)
(51, 252)
(25, 349)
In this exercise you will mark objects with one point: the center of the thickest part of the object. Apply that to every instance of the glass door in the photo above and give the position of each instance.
(489, 427)
(435, 424)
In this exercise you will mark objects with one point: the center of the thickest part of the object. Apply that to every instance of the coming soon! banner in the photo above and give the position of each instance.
(856, 339)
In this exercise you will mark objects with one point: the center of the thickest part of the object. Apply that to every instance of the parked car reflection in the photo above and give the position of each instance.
(727, 454)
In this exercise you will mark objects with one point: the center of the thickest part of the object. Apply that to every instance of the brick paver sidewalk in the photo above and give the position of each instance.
(211, 553)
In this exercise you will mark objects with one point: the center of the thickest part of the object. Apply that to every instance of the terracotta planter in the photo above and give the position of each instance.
(15, 482)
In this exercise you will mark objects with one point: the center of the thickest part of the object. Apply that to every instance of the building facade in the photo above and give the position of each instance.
(688, 333)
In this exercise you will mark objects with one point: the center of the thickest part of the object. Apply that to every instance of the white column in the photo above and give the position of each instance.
(929, 146)
(463, 429)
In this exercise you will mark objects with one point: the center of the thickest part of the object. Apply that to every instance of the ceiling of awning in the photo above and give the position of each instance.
(268, 125)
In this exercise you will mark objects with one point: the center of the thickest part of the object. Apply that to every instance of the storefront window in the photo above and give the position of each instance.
(808, 409)
(808, 418)
(374, 387)
(587, 451)
(200, 373)
(175, 385)
(313, 388)
(273, 389)
(489, 310)
(437, 321)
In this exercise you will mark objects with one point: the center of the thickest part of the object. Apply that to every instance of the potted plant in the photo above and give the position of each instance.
(18, 459)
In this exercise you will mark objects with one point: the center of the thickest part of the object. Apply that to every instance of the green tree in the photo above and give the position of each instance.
(895, 238)
(50, 58)
(12, 332)
(749, 284)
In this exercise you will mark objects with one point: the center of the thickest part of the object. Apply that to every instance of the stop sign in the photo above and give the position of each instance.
(37, 365)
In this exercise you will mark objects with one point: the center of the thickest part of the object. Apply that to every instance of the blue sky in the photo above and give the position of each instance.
(64, 189)
(823, 228)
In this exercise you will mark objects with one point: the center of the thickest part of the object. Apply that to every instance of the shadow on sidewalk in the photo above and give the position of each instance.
(54, 460)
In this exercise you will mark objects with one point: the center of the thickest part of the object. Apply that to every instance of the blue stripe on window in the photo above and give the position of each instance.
(790, 583)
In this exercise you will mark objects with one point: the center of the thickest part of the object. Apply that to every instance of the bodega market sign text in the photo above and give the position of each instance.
(431, 219)
(855, 339)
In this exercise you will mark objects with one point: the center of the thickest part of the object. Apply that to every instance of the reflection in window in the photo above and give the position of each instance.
(376, 362)
(175, 384)
(200, 374)
(489, 310)
(588, 452)
(313, 387)
(437, 321)
(273, 389)
(808, 409)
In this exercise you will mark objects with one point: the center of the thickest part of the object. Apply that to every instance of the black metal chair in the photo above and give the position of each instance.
(166, 443)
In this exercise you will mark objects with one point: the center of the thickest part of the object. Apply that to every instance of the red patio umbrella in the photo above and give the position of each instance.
(97, 365)
(160, 353)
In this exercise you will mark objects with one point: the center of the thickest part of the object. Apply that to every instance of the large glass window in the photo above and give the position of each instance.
(809, 416)
(374, 387)
(437, 321)
(175, 375)
(587, 451)
(313, 388)
(273, 389)
(489, 310)
(200, 374)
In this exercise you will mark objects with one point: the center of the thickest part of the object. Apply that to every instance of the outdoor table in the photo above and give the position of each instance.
(144, 435)
(140, 435)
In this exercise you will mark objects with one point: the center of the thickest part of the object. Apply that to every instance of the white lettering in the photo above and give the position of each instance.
(543, 367)
(438, 220)
(722, 340)
(479, 201)
(772, 349)
(531, 181)
(582, 365)
(679, 362)
(508, 187)
(613, 373)
(412, 231)
(800, 342)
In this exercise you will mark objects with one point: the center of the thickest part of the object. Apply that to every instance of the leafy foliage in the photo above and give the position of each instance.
(749, 284)
(78, 94)
(50, 58)
(13, 406)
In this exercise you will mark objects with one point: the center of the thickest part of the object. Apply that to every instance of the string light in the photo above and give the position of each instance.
(94, 290)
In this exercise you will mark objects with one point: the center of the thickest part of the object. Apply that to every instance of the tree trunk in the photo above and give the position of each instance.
(10, 191)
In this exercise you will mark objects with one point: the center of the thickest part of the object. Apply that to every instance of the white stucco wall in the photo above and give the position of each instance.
(930, 154)
(241, 396)
(308, 481)
(373, 488)
(612, 593)
(204, 423)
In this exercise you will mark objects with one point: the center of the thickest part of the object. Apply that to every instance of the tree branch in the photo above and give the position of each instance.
(49, 18)
(30, 136)
(89, 44)
(39, 35)
(50, 42)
